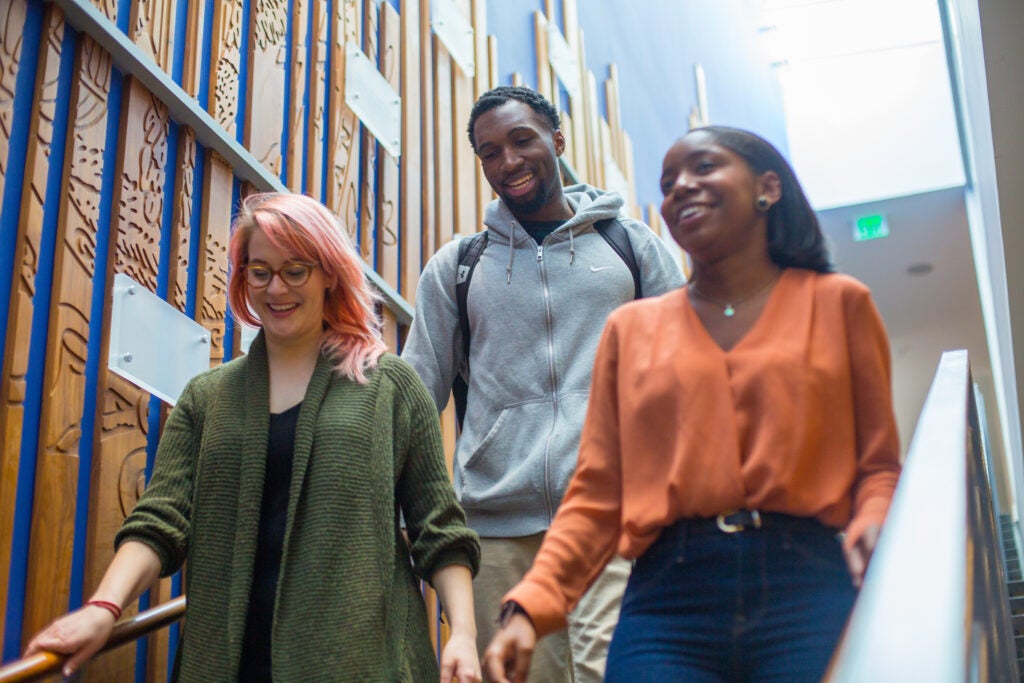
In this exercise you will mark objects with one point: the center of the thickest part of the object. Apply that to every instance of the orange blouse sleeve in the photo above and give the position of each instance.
(878, 447)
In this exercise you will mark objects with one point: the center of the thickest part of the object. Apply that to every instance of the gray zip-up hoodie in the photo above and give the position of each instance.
(536, 314)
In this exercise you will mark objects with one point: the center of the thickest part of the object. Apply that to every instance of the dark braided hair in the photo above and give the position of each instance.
(795, 238)
(506, 93)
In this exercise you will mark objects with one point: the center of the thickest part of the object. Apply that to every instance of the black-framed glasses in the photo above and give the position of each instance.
(293, 274)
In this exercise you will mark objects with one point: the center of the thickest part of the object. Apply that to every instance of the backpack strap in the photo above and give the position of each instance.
(614, 233)
(470, 249)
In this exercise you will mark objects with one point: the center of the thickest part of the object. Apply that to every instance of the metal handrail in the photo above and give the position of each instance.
(934, 605)
(47, 663)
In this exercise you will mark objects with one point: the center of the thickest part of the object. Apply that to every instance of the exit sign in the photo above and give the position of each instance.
(870, 228)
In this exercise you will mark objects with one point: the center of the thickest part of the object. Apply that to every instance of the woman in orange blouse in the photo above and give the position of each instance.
(740, 444)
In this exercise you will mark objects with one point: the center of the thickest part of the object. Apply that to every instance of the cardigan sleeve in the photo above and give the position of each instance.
(436, 524)
(877, 447)
(585, 532)
(161, 518)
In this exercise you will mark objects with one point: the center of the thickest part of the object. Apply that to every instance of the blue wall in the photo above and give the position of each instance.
(655, 44)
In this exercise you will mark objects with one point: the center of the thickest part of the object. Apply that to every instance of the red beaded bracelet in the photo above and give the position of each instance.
(109, 606)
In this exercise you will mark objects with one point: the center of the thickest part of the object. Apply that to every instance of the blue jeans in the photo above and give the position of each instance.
(760, 605)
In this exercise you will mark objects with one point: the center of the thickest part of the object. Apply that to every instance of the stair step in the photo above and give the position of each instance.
(1017, 605)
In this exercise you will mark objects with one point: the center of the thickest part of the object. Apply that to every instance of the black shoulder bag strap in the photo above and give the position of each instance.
(469, 254)
(614, 233)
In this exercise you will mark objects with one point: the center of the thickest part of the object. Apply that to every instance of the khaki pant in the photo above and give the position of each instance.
(575, 655)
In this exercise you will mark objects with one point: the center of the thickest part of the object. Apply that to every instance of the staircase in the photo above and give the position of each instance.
(1014, 585)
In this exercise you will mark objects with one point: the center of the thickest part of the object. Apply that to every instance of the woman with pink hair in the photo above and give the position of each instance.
(283, 478)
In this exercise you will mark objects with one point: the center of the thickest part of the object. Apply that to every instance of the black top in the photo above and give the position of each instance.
(538, 230)
(255, 664)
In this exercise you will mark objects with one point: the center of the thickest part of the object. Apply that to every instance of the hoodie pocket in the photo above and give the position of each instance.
(511, 453)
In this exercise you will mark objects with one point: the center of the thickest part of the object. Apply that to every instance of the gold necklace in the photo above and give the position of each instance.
(729, 308)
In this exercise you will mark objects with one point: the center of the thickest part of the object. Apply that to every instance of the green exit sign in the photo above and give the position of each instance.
(870, 228)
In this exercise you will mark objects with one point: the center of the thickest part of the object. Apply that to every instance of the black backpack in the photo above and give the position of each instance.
(469, 253)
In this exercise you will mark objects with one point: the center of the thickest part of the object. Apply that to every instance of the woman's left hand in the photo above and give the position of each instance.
(459, 660)
(859, 555)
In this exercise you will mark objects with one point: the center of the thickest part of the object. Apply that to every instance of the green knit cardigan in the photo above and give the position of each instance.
(348, 604)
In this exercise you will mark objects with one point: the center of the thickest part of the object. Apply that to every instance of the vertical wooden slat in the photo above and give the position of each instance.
(218, 183)
(588, 113)
(464, 162)
(596, 140)
(492, 61)
(194, 32)
(544, 85)
(368, 154)
(268, 27)
(387, 172)
(481, 84)
(56, 483)
(428, 155)
(26, 253)
(317, 87)
(614, 114)
(296, 109)
(627, 170)
(119, 453)
(12, 22)
(443, 151)
(226, 34)
(343, 126)
(152, 30)
(410, 181)
(654, 219)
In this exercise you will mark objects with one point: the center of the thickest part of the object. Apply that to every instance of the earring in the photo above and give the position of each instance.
(763, 203)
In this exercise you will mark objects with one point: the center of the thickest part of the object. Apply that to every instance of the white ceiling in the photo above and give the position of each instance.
(924, 314)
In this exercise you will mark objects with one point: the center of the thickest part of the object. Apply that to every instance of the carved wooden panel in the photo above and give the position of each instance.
(224, 60)
(464, 168)
(26, 255)
(411, 177)
(121, 426)
(386, 242)
(152, 30)
(181, 237)
(368, 154)
(212, 280)
(296, 109)
(12, 21)
(443, 152)
(317, 93)
(268, 31)
(428, 217)
(387, 165)
(52, 527)
(343, 126)
(481, 84)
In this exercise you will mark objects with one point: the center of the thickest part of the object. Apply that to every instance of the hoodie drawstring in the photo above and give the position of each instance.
(572, 247)
(511, 254)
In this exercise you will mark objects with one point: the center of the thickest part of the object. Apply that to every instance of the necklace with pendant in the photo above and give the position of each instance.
(729, 308)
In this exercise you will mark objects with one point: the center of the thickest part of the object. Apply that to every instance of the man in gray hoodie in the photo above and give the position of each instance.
(537, 303)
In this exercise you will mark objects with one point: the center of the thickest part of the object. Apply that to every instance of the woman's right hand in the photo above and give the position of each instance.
(507, 659)
(79, 634)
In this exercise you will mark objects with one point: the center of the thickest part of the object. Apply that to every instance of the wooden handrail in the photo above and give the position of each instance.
(46, 663)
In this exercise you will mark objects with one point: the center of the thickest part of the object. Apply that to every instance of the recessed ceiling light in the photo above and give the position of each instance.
(921, 268)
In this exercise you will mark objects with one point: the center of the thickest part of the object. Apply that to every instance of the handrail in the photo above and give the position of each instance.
(46, 663)
(934, 605)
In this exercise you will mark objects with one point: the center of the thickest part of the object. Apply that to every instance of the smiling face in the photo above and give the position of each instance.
(291, 316)
(710, 199)
(519, 155)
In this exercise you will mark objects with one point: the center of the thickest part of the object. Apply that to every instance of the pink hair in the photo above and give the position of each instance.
(306, 228)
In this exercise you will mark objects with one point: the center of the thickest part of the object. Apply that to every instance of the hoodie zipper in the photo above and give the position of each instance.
(554, 380)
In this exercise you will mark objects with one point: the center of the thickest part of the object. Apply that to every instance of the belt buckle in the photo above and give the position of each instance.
(729, 528)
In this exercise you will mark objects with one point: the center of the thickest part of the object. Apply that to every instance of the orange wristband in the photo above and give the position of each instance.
(109, 606)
